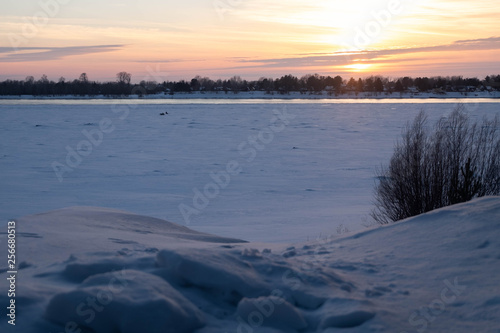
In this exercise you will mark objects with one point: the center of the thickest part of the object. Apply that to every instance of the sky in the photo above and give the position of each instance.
(162, 40)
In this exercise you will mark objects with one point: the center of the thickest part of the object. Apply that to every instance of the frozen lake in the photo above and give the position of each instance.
(270, 171)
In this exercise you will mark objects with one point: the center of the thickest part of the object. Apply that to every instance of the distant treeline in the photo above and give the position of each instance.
(308, 84)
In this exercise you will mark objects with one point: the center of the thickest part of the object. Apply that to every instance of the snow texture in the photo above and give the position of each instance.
(313, 178)
(301, 197)
(103, 270)
(129, 302)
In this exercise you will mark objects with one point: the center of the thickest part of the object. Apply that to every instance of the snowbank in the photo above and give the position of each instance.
(267, 96)
(102, 270)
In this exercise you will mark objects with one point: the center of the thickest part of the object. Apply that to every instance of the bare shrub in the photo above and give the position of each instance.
(455, 162)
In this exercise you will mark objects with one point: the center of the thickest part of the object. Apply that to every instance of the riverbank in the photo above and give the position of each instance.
(270, 96)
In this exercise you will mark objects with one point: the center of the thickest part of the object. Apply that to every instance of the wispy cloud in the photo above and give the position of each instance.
(347, 57)
(27, 54)
(164, 61)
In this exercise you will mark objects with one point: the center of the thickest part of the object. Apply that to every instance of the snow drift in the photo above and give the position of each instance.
(86, 269)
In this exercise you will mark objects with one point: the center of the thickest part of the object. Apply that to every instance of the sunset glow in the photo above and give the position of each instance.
(359, 67)
(166, 40)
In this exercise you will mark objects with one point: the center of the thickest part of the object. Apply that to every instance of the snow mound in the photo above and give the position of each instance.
(103, 219)
(271, 311)
(100, 270)
(125, 302)
(346, 313)
(94, 229)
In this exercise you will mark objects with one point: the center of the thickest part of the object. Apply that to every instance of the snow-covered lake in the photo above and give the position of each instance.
(267, 171)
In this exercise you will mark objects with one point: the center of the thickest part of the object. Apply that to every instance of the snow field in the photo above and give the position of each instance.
(310, 177)
(88, 269)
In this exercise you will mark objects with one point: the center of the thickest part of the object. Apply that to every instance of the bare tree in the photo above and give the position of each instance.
(30, 79)
(457, 161)
(124, 77)
(83, 78)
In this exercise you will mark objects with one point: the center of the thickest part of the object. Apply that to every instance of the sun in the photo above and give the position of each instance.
(358, 67)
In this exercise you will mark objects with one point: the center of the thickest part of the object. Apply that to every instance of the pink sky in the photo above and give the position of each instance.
(167, 40)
